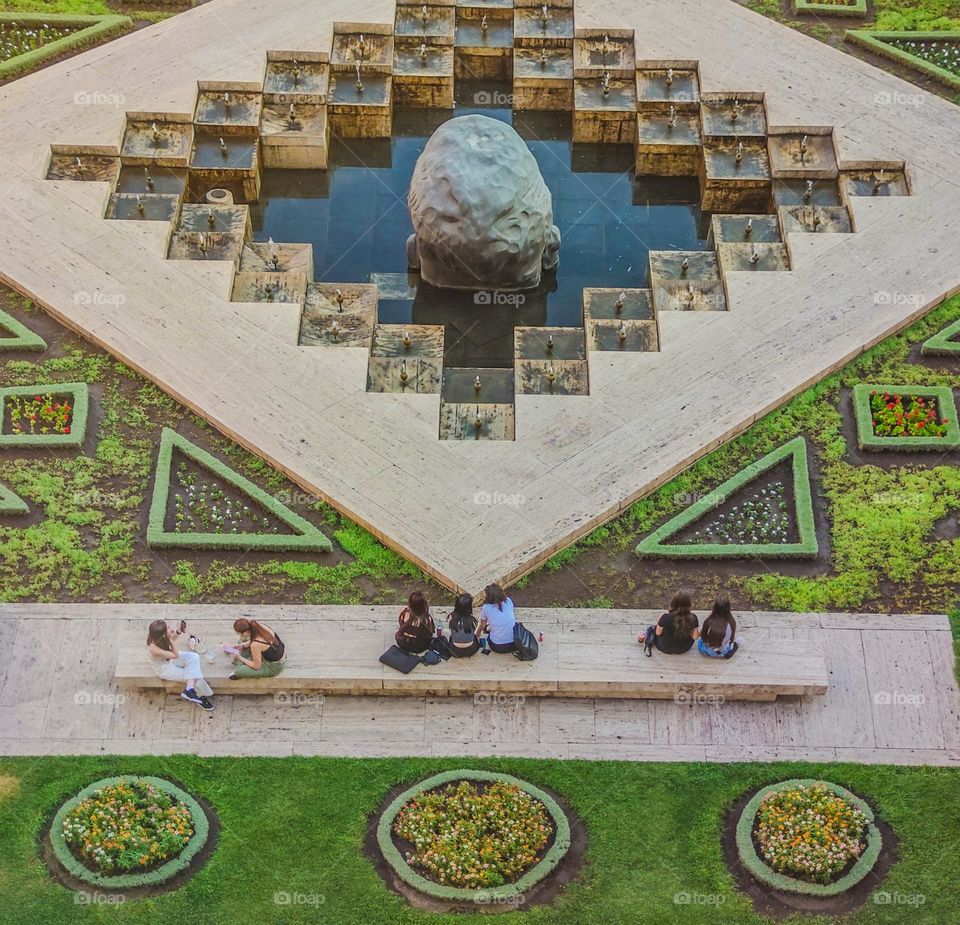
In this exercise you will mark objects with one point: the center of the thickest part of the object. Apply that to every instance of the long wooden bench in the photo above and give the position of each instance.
(580, 660)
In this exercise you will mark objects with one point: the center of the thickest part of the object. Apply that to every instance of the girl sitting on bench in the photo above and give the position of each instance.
(174, 665)
(719, 629)
(261, 654)
(676, 630)
(463, 628)
(416, 625)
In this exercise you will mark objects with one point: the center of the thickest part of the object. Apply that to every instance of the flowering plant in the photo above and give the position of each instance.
(40, 414)
(809, 832)
(128, 826)
(906, 416)
(470, 836)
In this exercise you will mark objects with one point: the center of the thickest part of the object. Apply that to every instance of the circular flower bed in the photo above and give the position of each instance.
(473, 835)
(128, 832)
(809, 837)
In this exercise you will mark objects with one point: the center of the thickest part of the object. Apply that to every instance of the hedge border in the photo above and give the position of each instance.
(78, 424)
(760, 870)
(10, 502)
(877, 42)
(94, 29)
(868, 440)
(941, 345)
(23, 338)
(807, 547)
(856, 9)
(156, 877)
(308, 538)
(398, 864)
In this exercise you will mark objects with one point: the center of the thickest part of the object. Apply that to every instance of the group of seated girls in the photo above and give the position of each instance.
(491, 632)
(678, 629)
(175, 655)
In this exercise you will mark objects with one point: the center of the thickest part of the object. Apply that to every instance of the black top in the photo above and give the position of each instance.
(668, 641)
(274, 652)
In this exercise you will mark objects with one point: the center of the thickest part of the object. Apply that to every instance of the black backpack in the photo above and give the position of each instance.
(525, 646)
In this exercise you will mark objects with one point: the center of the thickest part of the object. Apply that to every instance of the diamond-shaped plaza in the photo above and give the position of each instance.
(333, 329)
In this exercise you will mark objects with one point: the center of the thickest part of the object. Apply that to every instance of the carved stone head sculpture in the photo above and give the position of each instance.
(482, 214)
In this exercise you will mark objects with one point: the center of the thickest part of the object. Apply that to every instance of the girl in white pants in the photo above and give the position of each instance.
(174, 665)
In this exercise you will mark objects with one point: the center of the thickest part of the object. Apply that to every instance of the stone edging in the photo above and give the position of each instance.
(126, 881)
(759, 869)
(535, 875)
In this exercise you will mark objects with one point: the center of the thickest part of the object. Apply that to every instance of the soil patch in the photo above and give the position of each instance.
(199, 861)
(543, 893)
(779, 905)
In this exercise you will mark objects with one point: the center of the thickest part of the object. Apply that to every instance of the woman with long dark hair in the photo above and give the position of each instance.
(262, 652)
(676, 630)
(416, 628)
(463, 628)
(718, 635)
(173, 665)
(497, 619)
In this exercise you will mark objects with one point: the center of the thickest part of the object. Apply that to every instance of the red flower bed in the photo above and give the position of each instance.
(906, 416)
(39, 414)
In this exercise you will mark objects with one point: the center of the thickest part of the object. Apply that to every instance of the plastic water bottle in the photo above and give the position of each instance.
(540, 636)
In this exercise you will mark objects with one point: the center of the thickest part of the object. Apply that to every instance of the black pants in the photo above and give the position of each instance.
(466, 651)
(500, 647)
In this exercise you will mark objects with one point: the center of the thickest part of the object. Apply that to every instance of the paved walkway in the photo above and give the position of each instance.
(892, 700)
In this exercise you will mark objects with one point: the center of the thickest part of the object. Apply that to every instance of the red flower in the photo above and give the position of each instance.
(66, 430)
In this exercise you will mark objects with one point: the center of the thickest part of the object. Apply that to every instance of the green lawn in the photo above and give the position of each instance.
(295, 826)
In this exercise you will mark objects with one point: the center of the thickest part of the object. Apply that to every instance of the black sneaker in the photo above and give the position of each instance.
(192, 696)
(207, 704)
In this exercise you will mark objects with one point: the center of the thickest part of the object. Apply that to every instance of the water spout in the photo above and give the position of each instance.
(424, 15)
(880, 181)
(685, 266)
(202, 243)
(672, 121)
(296, 72)
(359, 81)
(338, 295)
(274, 256)
(478, 422)
(754, 254)
(227, 101)
(551, 375)
(155, 134)
(406, 341)
(483, 24)
(669, 76)
(550, 343)
(476, 385)
(79, 163)
(749, 229)
(223, 147)
(737, 110)
(689, 293)
(140, 207)
(621, 301)
(739, 155)
(335, 330)
(622, 333)
(361, 46)
(147, 178)
(544, 15)
(803, 146)
(817, 218)
(404, 375)
(543, 56)
(605, 84)
(211, 219)
(423, 51)
(808, 192)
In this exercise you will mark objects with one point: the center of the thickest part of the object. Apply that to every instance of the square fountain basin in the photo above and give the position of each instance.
(737, 257)
(356, 320)
(385, 374)
(893, 182)
(668, 265)
(655, 132)
(345, 96)
(290, 257)
(99, 168)
(527, 67)
(471, 37)
(195, 217)
(309, 126)
(721, 162)
(426, 340)
(530, 29)
(376, 54)
(185, 245)
(167, 180)
(532, 344)
(496, 386)
(716, 114)
(653, 91)
(641, 336)
(601, 305)
(457, 421)
(793, 193)
(674, 296)
(408, 64)
(240, 157)
(803, 219)
(241, 116)
(309, 86)
(259, 286)
(619, 59)
(157, 207)
(819, 161)
(441, 22)
(570, 377)
(732, 229)
(171, 148)
(588, 96)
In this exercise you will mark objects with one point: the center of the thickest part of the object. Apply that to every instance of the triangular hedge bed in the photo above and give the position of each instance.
(16, 336)
(657, 545)
(11, 503)
(944, 344)
(305, 537)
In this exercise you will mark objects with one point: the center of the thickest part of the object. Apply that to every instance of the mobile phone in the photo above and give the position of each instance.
(183, 626)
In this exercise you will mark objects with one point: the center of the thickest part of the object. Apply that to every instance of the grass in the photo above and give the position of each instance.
(881, 520)
(293, 830)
